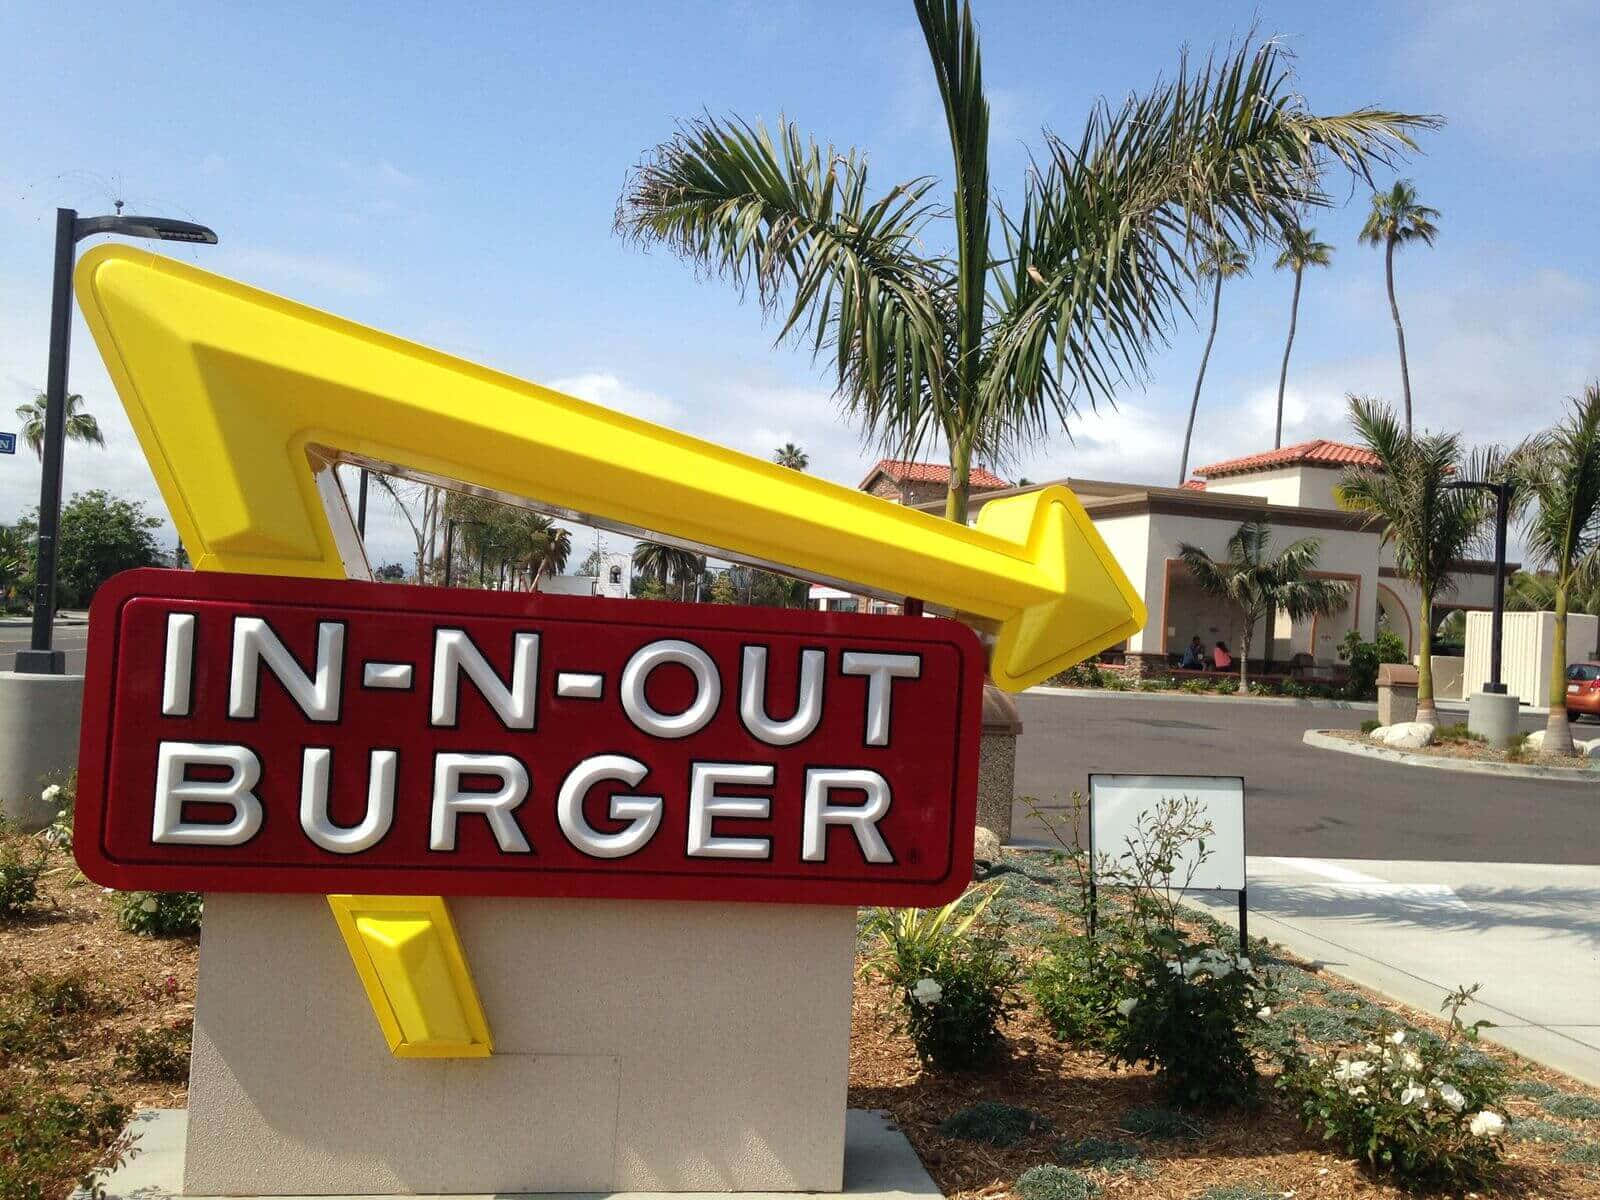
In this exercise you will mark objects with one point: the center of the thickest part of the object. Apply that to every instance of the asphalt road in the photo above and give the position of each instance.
(74, 639)
(1300, 801)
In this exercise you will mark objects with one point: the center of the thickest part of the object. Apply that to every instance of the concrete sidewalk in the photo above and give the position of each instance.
(1530, 934)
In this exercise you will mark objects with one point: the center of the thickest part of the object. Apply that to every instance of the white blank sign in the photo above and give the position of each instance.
(1117, 802)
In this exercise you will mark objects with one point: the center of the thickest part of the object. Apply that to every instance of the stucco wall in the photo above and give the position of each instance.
(1525, 654)
(1128, 538)
(1306, 487)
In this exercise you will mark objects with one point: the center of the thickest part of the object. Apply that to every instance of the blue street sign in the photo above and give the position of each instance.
(8, 443)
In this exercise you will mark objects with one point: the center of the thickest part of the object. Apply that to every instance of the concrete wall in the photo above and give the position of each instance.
(1128, 538)
(38, 737)
(638, 1047)
(1527, 641)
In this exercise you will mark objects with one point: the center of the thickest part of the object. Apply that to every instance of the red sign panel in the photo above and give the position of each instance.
(287, 735)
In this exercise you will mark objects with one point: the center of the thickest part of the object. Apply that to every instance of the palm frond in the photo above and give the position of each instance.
(845, 272)
(1097, 260)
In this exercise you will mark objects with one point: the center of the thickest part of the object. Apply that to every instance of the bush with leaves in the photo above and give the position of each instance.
(21, 865)
(159, 1055)
(955, 979)
(160, 914)
(1364, 658)
(1077, 986)
(1416, 1110)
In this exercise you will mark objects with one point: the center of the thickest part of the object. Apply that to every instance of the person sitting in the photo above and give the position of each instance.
(1194, 658)
(1220, 658)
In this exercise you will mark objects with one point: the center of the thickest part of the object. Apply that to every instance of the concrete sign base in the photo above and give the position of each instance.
(879, 1164)
(38, 736)
(638, 1046)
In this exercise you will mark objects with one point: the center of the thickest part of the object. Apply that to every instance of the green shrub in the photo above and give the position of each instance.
(38, 1018)
(159, 914)
(47, 1138)
(1108, 1154)
(1571, 1106)
(993, 1124)
(158, 1055)
(955, 979)
(1050, 1182)
(1080, 675)
(1408, 1110)
(1188, 1017)
(1457, 732)
(1164, 1123)
(1587, 1153)
(21, 865)
(1077, 988)
(1536, 1129)
(1364, 659)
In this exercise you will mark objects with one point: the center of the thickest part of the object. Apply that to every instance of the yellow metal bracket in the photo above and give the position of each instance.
(410, 962)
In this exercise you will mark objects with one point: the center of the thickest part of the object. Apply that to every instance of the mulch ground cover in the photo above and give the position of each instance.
(138, 987)
(1479, 751)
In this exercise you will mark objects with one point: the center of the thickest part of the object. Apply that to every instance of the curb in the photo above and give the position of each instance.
(1276, 701)
(1320, 739)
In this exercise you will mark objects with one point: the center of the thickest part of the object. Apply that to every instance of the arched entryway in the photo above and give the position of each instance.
(1392, 615)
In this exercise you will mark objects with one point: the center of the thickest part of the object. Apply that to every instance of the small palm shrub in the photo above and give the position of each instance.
(160, 914)
(956, 982)
(1415, 1110)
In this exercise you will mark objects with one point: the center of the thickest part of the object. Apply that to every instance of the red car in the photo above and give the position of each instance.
(1583, 690)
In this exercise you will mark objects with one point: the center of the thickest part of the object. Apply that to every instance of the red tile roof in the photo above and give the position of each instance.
(1319, 452)
(904, 471)
(1193, 485)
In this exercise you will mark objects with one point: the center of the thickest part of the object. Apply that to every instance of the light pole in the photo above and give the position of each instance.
(40, 658)
(1502, 493)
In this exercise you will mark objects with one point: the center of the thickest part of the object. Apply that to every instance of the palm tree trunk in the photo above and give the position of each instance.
(955, 501)
(1426, 711)
(1244, 654)
(1194, 407)
(1283, 372)
(1399, 332)
(1557, 733)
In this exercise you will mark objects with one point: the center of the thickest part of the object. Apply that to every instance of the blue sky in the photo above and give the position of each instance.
(450, 174)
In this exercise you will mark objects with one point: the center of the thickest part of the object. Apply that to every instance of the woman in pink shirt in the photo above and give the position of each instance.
(1221, 660)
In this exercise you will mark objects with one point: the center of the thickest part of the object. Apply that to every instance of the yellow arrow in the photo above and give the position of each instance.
(243, 401)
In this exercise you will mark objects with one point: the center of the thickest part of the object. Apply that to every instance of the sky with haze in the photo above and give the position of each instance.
(449, 173)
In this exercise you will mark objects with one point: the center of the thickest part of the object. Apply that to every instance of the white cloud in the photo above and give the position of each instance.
(609, 391)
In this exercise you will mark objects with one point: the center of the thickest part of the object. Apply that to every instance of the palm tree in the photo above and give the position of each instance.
(1558, 474)
(553, 553)
(1300, 250)
(1396, 218)
(1221, 260)
(663, 563)
(80, 426)
(1259, 585)
(1431, 526)
(978, 349)
(791, 456)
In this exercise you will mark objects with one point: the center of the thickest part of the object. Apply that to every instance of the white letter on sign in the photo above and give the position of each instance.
(862, 818)
(453, 652)
(705, 806)
(173, 791)
(255, 642)
(497, 806)
(643, 811)
(315, 768)
(883, 669)
(708, 688)
(753, 698)
(177, 676)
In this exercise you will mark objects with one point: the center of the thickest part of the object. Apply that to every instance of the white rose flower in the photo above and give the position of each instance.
(148, 904)
(50, 793)
(1127, 1006)
(928, 991)
(1411, 1060)
(1486, 1124)
(1398, 1036)
(1412, 1094)
(1264, 1012)
(1351, 1071)
(1452, 1097)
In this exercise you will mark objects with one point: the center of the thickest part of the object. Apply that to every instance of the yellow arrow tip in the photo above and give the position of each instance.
(1095, 607)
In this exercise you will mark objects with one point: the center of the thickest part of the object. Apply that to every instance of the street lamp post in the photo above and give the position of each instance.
(1502, 494)
(41, 658)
